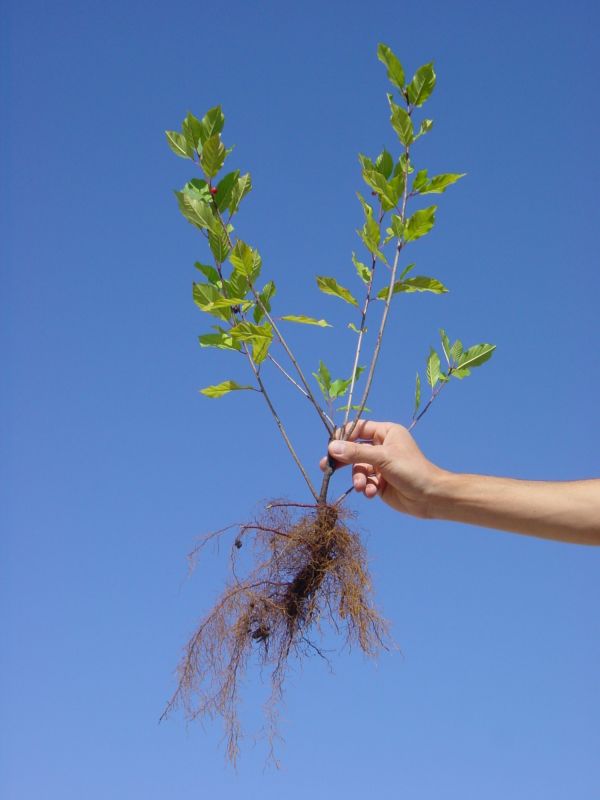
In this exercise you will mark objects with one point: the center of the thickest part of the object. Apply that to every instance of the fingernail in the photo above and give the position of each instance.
(337, 448)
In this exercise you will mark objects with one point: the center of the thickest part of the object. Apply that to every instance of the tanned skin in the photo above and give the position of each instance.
(387, 462)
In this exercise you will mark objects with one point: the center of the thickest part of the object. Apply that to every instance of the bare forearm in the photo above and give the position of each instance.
(567, 511)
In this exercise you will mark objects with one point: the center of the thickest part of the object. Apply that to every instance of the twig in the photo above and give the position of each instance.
(319, 410)
(280, 425)
(297, 385)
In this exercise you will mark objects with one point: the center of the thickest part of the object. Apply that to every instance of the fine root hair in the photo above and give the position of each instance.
(307, 570)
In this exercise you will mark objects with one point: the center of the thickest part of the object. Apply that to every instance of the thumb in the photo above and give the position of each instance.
(351, 453)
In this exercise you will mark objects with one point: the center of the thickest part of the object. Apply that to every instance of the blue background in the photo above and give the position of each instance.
(112, 463)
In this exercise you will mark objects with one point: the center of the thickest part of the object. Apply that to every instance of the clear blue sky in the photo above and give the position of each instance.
(112, 463)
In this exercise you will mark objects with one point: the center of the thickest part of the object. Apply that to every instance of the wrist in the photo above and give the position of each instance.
(442, 493)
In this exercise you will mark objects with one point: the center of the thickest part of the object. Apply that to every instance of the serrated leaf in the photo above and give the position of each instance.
(388, 191)
(221, 340)
(433, 368)
(456, 350)
(323, 378)
(445, 345)
(207, 297)
(417, 393)
(420, 283)
(384, 164)
(401, 123)
(179, 144)
(426, 126)
(420, 180)
(212, 123)
(439, 183)
(422, 85)
(237, 285)
(198, 188)
(460, 373)
(218, 241)
(306, 320)
(265, 296)
(210, 273)
(363, 272)
(213, 155)
(192, 130)
(239, 191)
(223, 388)
(395, 72)
(340, 386)
(225, 188)
(420, 223)
(195, 210)
(476, 355)
(246, 260)
(332, 287)
(259, 336)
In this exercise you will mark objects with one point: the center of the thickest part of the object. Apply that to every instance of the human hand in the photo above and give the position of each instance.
(387, 462)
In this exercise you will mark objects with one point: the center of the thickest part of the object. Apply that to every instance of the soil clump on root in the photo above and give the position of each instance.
(308, 570)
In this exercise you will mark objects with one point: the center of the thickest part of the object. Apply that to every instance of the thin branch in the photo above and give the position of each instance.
(362, 331)
(388, 300)
(297, 385)
(279, 423)
(292, 358)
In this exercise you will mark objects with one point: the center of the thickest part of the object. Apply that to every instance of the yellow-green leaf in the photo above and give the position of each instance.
(179, 144)
(219, 389)
(332, 287)
(306, 320)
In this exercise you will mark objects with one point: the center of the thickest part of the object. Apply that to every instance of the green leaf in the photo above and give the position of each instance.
(406, 270)
(179, 144)
(439, 183)
(353, 327)
(199, 189)
(225, 189)
(433, 368)
(210, 273)
(420, 180)
(224, 304)
(417, 394)
(259, 336)
(323, 377)
(192, 130)
(212, 123)
(246, 260)
(388, 192)
(332, 287)
(420, 223)
(195, 210)
(401, 123)
(221, 340)
(445, 345)
(421, 85)
(460, 373)
(354, 408)
(306, 320)
(213, 155)
(363, 272)
(426, 126)
(223, 388)
(265, 299)
(456, 350)
(395, 72)
(207, 298)
(397, 226)
(370, 234)
(384, 164)
(218, 241)
(476, 355)
(420, 283)
(237, 285)
(239, 191)
(340, 386)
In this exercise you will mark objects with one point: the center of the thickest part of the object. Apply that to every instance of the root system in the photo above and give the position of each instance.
(308, 570)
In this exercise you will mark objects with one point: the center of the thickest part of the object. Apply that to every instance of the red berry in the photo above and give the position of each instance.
(213, 190)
